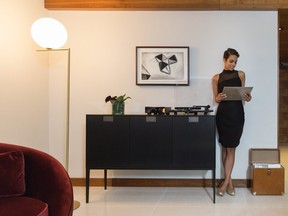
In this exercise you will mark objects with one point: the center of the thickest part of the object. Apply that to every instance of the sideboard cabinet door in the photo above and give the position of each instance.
(194, 142)
(151, 142)
(107, 141)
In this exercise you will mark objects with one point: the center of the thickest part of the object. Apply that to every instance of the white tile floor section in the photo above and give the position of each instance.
(172, 201)
(133, 201)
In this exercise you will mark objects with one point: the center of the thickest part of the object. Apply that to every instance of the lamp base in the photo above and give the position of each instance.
(76, 204)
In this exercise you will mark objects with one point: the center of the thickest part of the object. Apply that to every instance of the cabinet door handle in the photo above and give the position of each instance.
(151, 119)
(193, 119)
(108, 119)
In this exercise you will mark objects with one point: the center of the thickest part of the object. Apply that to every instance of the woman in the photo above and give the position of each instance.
(229, 117)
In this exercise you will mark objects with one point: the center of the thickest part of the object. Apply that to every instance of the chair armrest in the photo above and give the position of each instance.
(46, 179)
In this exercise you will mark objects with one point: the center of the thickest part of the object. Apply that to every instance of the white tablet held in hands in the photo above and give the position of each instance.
(236, 93)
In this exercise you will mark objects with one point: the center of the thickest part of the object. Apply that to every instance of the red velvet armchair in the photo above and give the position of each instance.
(35, 183)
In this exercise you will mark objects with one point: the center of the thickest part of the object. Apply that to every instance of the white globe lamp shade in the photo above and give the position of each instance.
(49, 33)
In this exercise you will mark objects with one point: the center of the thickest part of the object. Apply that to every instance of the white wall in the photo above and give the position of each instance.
(23, 77)
(32, 87)
(103, 63)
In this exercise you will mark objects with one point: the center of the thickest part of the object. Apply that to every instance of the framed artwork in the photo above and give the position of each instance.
(159, 65)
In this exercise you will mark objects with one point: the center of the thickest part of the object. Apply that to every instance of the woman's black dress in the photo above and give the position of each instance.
(230, 114)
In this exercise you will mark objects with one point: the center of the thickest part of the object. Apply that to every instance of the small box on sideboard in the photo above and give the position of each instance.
(267, 174)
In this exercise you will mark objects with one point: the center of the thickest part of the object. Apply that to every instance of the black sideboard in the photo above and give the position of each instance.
(154, 142)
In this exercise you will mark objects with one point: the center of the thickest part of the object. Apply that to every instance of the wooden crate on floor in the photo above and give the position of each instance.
(266, 171)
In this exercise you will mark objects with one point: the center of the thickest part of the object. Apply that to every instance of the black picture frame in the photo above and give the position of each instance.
(162, 65)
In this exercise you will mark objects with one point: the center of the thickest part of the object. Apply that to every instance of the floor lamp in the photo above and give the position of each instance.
(51, 35)
(67, 129)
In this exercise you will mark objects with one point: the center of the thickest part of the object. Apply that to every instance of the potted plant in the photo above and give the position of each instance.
(118, 103)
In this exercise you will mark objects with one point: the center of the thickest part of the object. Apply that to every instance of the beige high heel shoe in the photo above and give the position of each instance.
(219, 192)
(231, 192)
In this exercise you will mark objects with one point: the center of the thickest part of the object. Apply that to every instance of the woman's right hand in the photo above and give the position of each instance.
(220, 97)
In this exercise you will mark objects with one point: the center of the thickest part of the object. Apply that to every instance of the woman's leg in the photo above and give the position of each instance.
(228, 159)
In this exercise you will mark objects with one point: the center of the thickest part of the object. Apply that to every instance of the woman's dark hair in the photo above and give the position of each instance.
(229, 52)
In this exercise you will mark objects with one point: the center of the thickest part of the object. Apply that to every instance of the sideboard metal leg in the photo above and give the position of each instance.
(87, 184)
(214, 185)
(105, 179)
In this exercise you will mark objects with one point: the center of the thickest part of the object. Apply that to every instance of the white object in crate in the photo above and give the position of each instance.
(269, 166)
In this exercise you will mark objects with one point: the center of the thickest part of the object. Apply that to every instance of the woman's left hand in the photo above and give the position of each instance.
(247, 97)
